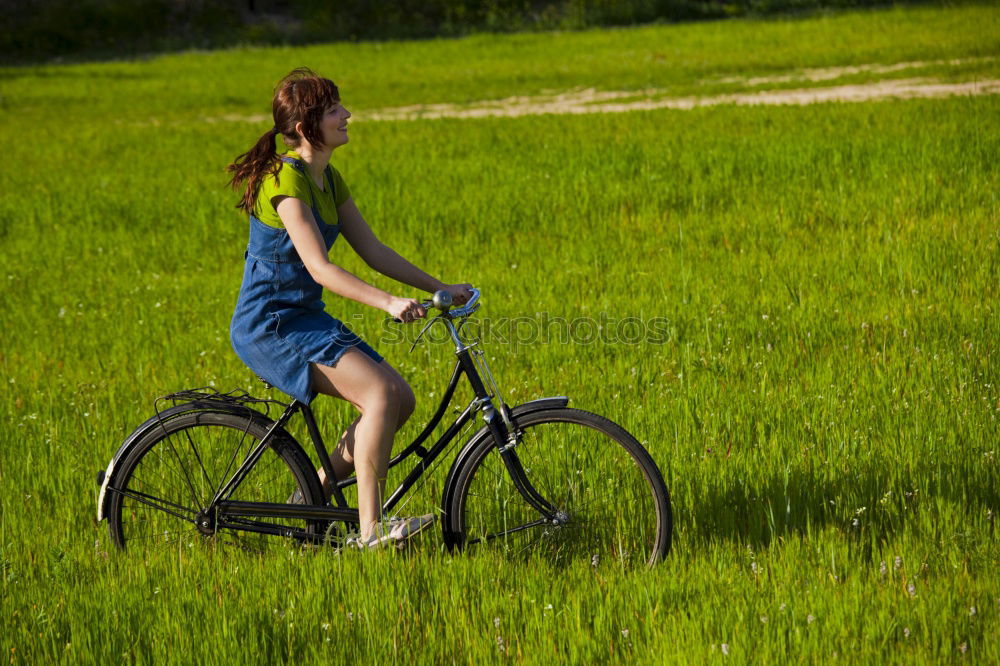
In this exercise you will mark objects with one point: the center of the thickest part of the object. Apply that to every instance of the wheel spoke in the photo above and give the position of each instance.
(163, 462)
(519, 528)
(187, 478)
(236, 454)
(197, 456)
(156, 503)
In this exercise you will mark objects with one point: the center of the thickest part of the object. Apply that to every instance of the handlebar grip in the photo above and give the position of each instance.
(468, 306)
(460, 311)
(426, 305)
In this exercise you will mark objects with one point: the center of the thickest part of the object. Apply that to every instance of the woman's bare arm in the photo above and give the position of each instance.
(378, 255)
(311, 247)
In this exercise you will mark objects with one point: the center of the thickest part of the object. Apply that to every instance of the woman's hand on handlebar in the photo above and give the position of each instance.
(460, 293)
(405, 309)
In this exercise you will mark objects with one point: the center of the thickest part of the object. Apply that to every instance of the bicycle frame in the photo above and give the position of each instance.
(497, 419)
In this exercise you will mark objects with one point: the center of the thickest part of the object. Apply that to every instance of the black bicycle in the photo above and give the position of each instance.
(537, 479)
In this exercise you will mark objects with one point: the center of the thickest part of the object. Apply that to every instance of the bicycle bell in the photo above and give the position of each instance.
(442, 300)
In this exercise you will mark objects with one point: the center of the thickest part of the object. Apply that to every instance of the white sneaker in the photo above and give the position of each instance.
(397, 531)
(401, 529)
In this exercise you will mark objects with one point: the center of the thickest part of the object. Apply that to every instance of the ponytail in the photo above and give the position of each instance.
(252, 166)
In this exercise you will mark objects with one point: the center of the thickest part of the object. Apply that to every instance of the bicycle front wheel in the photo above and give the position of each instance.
(610, 497)
(160, 496)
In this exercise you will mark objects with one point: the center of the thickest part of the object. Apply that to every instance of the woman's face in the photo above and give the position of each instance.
(334, 125)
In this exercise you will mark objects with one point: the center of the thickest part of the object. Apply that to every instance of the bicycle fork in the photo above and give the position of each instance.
(505, 434)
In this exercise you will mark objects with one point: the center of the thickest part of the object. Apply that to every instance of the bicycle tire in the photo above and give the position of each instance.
(179, 465)
(573, 458)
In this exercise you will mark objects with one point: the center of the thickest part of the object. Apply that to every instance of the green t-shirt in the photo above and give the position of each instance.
(291, 182)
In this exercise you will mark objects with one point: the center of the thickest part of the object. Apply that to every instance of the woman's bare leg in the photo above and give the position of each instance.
(374, 391)
(342, 457)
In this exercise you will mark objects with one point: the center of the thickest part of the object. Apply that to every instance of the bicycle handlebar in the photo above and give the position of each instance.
(442, 301)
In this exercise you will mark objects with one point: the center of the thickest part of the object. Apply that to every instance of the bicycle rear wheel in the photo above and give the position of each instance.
(613, 504)
(159, 496)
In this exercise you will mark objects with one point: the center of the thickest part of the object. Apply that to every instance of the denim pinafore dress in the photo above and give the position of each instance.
(279, 326)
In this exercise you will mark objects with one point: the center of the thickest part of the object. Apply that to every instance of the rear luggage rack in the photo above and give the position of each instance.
(207, 394)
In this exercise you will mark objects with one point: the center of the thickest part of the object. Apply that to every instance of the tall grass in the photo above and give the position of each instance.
(824, 406)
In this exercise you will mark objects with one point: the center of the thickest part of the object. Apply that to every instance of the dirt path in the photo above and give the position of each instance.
(591, 101)
(831, 73)
(619, 101)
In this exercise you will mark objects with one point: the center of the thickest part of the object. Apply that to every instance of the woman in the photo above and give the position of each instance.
(298, 204)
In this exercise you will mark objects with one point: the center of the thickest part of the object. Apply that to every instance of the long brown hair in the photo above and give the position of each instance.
(301, 96)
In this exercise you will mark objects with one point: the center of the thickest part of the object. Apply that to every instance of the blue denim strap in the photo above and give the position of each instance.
(298, 166)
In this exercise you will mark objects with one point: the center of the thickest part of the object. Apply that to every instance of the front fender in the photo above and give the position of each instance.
(481, 434)
(107, 477)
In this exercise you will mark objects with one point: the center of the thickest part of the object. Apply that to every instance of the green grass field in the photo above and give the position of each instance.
(824, 407)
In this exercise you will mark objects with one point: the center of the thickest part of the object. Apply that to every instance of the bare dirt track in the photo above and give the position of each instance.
(592, 101)
(589, 100)
(831, 73)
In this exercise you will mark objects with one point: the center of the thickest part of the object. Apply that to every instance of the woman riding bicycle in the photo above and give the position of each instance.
(298, 204)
